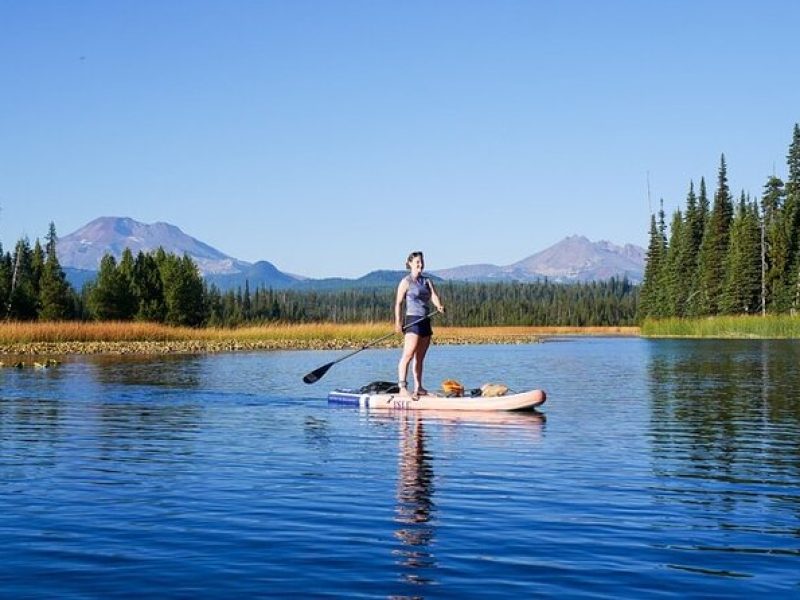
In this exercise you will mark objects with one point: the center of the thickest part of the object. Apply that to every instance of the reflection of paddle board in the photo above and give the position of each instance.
(521, 401)
(492, 422)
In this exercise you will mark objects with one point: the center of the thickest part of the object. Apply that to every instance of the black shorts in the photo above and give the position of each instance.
(422, 329)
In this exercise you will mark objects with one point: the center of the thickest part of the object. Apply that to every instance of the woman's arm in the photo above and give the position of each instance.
(435, 297)
(402, 288)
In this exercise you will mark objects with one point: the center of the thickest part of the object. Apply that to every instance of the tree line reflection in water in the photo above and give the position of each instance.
(724, 425)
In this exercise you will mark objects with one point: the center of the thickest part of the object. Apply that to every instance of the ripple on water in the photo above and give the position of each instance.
(651, 471)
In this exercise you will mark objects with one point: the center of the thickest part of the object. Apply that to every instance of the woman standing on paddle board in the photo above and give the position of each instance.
(416, 291)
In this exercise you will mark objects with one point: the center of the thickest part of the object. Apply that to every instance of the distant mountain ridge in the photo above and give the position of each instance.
(83, 249)
(571, 260)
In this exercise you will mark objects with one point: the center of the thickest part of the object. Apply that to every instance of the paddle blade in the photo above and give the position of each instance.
(317, 374)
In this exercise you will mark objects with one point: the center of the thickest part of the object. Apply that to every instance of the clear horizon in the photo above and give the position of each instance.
(333, 138)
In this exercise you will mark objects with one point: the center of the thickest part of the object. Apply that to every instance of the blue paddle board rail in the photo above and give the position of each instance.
(344, 397)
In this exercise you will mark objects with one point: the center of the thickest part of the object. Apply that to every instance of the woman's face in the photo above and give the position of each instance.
(416, 264)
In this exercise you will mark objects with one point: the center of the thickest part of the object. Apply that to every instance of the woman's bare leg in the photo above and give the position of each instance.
(409, 351)
(420, 350)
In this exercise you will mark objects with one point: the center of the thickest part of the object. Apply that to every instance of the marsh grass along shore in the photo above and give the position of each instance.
(35, 338)
(72, 337)
(732, 327)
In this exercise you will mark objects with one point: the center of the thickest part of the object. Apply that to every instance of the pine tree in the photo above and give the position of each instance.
(55, 295)
(793, 163)
(650, 297)
(37, 266)
(702, 209)
(772, 198)
(148, 289)
(674, 280)
(697, 219)
(22, 303)
(109, 295)
(777, 237)
(247, 306)
(714, 247)
(793, 214)
(130, 298)
(742, 288)
(688, 250)
(183, 292)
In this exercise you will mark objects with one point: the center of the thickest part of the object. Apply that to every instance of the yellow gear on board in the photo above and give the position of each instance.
(452, 387)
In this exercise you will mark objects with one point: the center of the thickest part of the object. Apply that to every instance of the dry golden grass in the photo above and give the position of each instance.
(75, 331)
(125, 337)
(114, 331)
(353, 332)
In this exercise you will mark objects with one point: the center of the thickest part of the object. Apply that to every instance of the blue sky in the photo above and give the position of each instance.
(334, 137)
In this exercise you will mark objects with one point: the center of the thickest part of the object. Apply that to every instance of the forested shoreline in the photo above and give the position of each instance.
(164, 288)
(607, 303)
(727, 257)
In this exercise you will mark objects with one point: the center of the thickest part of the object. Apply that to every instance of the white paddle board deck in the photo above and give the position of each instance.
(519, 401)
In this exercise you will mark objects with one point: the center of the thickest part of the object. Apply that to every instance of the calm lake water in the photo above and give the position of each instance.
(656, 469)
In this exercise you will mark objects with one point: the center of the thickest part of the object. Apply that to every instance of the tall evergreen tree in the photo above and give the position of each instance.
(22, 304)
(702, 208)
(688, 249)
(792, 211)
(650, 300)
(793, 163)
(37, 266)
(109, 295)
(777, 237)
(125, 273)
(772, 198)
(55, 295)
(698, 219)
(183, 292)
(714, 247)
(742, 288)
(148, 289)
(675, 283)
(694, 222)
(247, 305)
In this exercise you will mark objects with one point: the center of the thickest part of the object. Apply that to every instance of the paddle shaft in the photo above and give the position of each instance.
(317, 374)
(385, 337)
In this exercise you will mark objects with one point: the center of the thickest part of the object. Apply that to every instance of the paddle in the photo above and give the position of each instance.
(319, 372)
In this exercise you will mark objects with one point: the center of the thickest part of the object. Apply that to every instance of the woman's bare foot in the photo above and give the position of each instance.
(421, 391)
(404, 391)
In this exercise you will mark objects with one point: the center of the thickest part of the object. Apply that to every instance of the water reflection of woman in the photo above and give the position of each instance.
(416, 511)
(415, 506)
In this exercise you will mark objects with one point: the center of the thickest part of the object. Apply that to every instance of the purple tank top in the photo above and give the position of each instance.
(417, 296)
